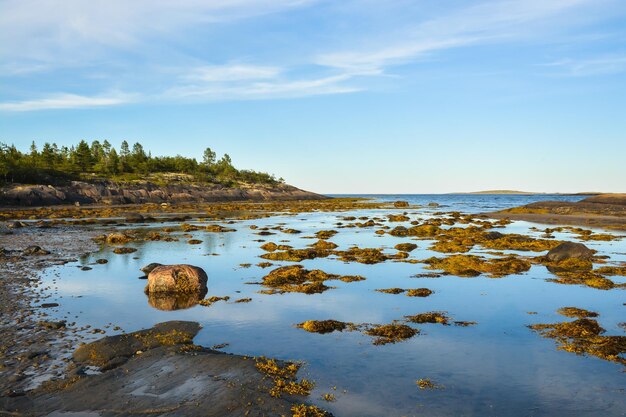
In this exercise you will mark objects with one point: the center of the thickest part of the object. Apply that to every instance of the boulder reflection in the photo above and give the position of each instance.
(175, 301)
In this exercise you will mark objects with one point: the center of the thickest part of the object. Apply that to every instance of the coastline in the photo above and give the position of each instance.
(41, 373)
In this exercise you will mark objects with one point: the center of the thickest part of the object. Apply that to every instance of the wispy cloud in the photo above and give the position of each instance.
(487, 22)
(193, 50)
(73, 30)
(259, 85)
(612, 64)
(67, 101)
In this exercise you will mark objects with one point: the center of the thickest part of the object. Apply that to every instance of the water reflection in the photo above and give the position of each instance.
(174, 301)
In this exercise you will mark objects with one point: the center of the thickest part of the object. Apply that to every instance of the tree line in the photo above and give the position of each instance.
(52, 163)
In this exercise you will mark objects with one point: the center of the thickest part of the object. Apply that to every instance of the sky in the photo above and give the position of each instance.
(353, 96)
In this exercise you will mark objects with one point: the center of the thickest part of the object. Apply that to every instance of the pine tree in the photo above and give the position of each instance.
(83, 156)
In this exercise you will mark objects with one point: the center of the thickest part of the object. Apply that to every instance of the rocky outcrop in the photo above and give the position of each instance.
(176, 279)
(108, 192)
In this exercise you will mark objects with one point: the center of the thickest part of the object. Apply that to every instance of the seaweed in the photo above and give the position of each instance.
(391, 333)
(472, 266)
(584, 336)
(438, 317)
(323, 326)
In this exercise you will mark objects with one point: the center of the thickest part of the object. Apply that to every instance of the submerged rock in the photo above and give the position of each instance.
(176, 279)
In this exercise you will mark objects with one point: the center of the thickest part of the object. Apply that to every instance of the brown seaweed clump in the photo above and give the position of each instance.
(391, 290)
(207, 302)
(587, 278)
(283, 377)
(419, 292)
(325, 234)
(450, 246)
(473, 266)
(612, 270)
(426, 383)
(520, 243)
(584, 337)
(324, 245)
(576, 312)
(271, 247)
(302, 410)
(398, 218)
(364, 256)
(296, 255)
(218, 228)
(294, 278)
(391, 333)
(437, 317)
(124, 250)
(406, 247)
(323, 326)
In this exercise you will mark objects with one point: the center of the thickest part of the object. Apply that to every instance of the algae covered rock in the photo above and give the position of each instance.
(177, 279)
(568, 250)
(113, 351)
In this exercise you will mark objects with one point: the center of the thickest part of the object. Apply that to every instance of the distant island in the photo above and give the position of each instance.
(516, 192)
(98, 173)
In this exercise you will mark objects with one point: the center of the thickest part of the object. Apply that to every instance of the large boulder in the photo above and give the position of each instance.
(569, 250)
(177, 279)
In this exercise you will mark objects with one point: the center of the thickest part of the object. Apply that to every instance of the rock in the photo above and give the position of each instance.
(49, 305)
(35, 250)
(400, 204)
(109, 192)
(134, 218)
(148, 268)
(113, 351)
(176, 279)
(15, 225)
(433, 204)
(493, 235)
(568, 250)
(54, 325)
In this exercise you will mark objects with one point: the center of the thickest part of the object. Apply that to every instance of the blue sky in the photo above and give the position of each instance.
(391, 96)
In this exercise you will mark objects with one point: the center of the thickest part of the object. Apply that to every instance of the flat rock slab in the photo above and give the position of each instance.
(178, 379)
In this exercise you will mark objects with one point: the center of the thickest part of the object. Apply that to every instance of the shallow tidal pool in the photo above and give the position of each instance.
(497, 367)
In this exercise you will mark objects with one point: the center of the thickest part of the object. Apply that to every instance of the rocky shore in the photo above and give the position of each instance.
(138, 192)
(47, 370)
(604, 210)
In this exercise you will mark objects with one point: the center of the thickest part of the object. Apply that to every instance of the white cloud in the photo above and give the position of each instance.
(611, 64)
(54, 30)
(277, 87)
(486, 22)
(66, 101)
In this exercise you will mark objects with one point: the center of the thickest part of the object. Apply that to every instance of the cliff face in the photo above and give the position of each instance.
(107, 192)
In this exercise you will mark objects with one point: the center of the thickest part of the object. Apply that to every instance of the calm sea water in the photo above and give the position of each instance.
(469, 203)
(496, 368)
